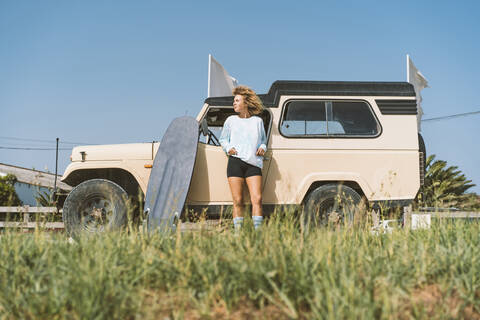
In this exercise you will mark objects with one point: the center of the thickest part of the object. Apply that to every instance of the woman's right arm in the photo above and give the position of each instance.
(263, 137)
(225, 136)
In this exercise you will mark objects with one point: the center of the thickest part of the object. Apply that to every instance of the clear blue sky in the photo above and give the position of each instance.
(119, 71)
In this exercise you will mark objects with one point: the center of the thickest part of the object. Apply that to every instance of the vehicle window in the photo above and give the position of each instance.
(328, 118)
(216, 118)
(354, 117)
(304, 118)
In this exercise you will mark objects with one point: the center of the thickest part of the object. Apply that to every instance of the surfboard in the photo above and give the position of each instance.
(171, 174)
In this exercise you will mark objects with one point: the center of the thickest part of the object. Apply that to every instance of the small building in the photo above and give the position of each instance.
(31, 182)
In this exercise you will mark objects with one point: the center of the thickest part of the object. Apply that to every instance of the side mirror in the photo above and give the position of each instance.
(204, 127)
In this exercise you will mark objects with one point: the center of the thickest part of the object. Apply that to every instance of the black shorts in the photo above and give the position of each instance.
(239, 168)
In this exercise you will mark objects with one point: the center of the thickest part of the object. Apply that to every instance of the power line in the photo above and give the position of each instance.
(81, 143)
(35, 149)
(43, 140)
(27, 144)
(452, 116)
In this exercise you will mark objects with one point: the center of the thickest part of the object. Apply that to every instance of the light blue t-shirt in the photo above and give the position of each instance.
(246, 135)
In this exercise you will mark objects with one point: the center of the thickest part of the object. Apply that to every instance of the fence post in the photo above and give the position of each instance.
(407, 217)
(26, 215)
(375, 218)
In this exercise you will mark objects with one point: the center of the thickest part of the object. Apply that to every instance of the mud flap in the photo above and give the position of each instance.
(171, 174)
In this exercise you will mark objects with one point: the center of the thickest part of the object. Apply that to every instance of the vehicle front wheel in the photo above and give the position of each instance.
(95, 206)
(330, 204)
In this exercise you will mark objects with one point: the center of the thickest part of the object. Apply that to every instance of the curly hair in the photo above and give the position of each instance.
(251, 99)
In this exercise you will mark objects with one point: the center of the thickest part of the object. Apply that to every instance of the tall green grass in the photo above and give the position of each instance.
(279, 272)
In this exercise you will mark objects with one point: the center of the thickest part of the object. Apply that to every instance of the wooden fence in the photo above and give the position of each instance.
(422, 218)
(30, 217)
(411, 220)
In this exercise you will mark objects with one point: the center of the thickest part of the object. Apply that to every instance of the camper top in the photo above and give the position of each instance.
(325, 88)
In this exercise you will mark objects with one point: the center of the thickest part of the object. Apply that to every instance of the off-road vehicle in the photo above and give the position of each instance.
(328, 142)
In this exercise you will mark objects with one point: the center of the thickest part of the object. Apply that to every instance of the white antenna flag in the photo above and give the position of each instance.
(220, 83)
(419, 82)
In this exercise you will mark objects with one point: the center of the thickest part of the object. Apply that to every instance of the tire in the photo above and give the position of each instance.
(330, 204)
(95, 206)
(422, 149)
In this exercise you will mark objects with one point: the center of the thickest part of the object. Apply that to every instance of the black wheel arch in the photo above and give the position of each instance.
(117, 175)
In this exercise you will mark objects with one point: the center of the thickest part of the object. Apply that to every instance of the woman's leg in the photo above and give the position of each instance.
(254, 184)
(236, 188)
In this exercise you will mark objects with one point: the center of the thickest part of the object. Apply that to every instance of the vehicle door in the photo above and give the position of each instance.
(209, 183)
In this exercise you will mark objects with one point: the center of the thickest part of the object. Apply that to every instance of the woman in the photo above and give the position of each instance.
(243, 139)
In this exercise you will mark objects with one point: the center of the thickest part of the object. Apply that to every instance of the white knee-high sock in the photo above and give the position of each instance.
(237, 223)
(257, 221)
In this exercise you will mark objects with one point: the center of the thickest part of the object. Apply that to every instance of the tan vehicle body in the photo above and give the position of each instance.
(382, 168)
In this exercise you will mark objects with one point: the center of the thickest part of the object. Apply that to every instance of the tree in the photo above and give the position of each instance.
(8, 195)
(445, 187)
(45, 198)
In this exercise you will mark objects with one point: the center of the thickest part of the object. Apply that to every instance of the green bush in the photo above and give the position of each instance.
(8, 195)
(446, 187)
(45, 198)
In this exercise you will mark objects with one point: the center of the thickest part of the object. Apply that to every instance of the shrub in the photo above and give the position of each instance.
(8, 195)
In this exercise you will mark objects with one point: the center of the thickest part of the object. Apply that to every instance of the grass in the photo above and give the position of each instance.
(277, 273)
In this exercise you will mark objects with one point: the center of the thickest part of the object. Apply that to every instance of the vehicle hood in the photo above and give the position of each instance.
(130, 151)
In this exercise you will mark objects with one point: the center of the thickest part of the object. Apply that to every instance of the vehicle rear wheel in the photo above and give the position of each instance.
(95, 206)
(330, 204)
